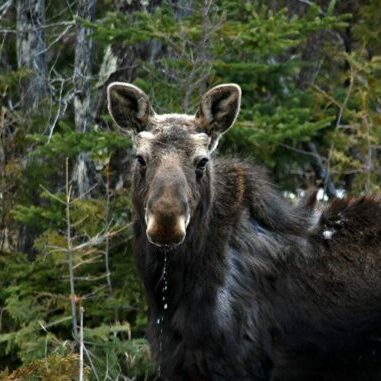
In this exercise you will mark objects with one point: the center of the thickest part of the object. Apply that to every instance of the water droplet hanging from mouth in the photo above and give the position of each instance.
(160, 320)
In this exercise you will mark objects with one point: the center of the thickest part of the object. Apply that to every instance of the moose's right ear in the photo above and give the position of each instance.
(129, 106)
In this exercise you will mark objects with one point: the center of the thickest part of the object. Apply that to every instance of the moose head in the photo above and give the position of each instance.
(172, 172)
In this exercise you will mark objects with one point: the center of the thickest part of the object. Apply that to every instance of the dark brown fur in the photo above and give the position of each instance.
(258, 290)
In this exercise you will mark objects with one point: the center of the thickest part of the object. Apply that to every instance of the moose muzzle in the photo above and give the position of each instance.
(167, 212)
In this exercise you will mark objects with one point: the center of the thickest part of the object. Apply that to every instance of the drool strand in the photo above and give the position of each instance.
(160, 320)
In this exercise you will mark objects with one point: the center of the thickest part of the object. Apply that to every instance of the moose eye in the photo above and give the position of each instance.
(202, 163)
(140, 160)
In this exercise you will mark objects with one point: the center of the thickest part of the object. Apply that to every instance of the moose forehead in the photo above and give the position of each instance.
(172, 132)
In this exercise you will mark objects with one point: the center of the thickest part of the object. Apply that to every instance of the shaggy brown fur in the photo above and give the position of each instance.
(257, 290)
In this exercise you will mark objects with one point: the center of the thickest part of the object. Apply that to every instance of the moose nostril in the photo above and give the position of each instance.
(184, 205)
(161, 233)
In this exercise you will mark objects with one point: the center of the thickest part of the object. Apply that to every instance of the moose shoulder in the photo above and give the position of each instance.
(240, 285)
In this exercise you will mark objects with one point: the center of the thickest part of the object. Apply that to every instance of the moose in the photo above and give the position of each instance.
(241, 285)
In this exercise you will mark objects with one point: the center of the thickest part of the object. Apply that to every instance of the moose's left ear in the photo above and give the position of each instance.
(218, 110)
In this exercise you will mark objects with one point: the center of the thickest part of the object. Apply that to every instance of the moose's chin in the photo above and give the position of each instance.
(165, 245)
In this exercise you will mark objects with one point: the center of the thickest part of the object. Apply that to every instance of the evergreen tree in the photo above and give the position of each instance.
(310, 74)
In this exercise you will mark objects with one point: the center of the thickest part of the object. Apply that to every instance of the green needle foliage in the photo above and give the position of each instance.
(310, 74)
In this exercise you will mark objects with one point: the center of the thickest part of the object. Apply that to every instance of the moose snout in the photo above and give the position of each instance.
(166, 228)
(167, 211)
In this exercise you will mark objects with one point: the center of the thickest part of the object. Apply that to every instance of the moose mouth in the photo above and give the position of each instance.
(166, 232)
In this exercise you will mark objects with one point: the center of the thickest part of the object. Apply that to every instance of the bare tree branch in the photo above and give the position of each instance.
(81, 311)
(70, 254)
(321, 171)
(5, 7)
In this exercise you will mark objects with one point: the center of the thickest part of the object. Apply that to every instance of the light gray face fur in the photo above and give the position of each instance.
(172, 152)
(169, 124)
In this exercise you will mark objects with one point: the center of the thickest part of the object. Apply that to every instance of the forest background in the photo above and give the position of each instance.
(70, 302)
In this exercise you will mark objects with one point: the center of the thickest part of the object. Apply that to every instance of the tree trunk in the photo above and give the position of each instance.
(82, 90)
(3, 229)
(31, 50)
(31, 56)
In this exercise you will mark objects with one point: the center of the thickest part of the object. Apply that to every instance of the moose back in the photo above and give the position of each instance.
(241, 286)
